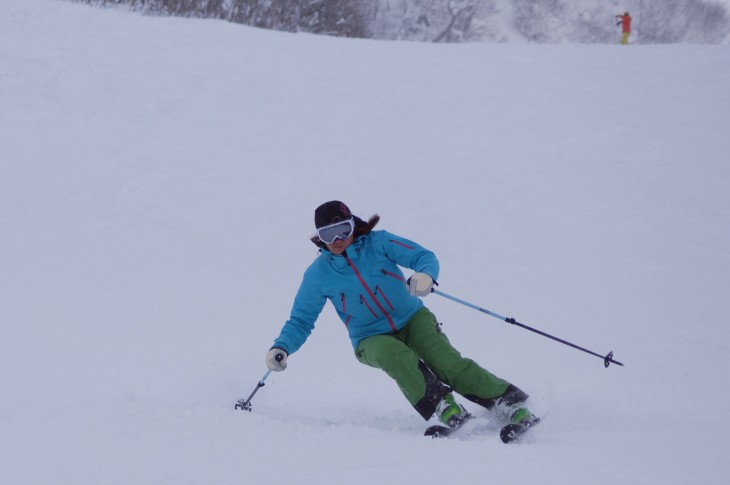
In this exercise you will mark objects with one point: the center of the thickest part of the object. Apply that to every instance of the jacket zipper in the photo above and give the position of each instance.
(401, 244)
(344, 310)
(365, 302)
(380, 290)
(396, 276)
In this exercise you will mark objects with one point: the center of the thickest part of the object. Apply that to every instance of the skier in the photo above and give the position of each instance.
(357, 270)
(625, 23)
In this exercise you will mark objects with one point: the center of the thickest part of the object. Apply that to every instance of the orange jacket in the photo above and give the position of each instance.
(625, 22)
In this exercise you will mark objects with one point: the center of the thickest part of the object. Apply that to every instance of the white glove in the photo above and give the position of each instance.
(276, 359)
(420, 284)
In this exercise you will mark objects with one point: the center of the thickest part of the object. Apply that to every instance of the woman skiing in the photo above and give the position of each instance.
(357, 270)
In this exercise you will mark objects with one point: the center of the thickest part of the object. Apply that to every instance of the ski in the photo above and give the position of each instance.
(441, 431)
(512, 432)
(508, 433)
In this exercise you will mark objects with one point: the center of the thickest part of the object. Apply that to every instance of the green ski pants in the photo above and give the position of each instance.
(420, 358)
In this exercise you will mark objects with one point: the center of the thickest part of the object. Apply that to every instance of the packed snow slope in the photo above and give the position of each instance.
(158, 178)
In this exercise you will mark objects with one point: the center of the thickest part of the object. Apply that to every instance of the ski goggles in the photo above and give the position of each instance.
(338, 230)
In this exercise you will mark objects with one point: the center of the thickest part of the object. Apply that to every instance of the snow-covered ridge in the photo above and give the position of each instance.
(540, 21)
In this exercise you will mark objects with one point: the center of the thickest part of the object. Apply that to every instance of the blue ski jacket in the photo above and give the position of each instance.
(364, 284)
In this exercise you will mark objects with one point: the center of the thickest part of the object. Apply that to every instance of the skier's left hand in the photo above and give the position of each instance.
(420, 284)
(276, 359)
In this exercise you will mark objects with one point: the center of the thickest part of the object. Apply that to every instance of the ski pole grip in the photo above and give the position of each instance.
(279, 357)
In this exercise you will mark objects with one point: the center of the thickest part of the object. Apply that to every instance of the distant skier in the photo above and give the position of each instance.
(625, 22)
(357, 270)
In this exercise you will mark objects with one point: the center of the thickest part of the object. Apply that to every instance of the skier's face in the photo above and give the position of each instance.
(339, 245)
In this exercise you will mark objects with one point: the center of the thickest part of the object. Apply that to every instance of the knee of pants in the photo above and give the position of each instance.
(384, 352)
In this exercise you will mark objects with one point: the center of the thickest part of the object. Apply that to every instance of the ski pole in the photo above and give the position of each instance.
(607, 359)
(245, 405)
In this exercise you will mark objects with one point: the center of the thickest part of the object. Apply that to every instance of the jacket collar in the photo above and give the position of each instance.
(353, 252)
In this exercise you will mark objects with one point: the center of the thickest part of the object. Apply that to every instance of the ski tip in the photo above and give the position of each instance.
(512, 432)
(437, 431)
(507, 435)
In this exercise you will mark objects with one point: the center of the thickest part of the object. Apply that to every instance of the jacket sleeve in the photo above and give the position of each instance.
(308, 304)
(409, 254)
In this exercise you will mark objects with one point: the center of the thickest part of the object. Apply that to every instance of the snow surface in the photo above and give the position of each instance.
(157, 183)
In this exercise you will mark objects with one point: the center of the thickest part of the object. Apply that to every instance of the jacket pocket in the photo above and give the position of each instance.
(393, 275)
(344, 309)
(367, 305)
(379, 291)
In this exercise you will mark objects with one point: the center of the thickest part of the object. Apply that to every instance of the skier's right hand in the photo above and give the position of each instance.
(276, 359)
(420, 284)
